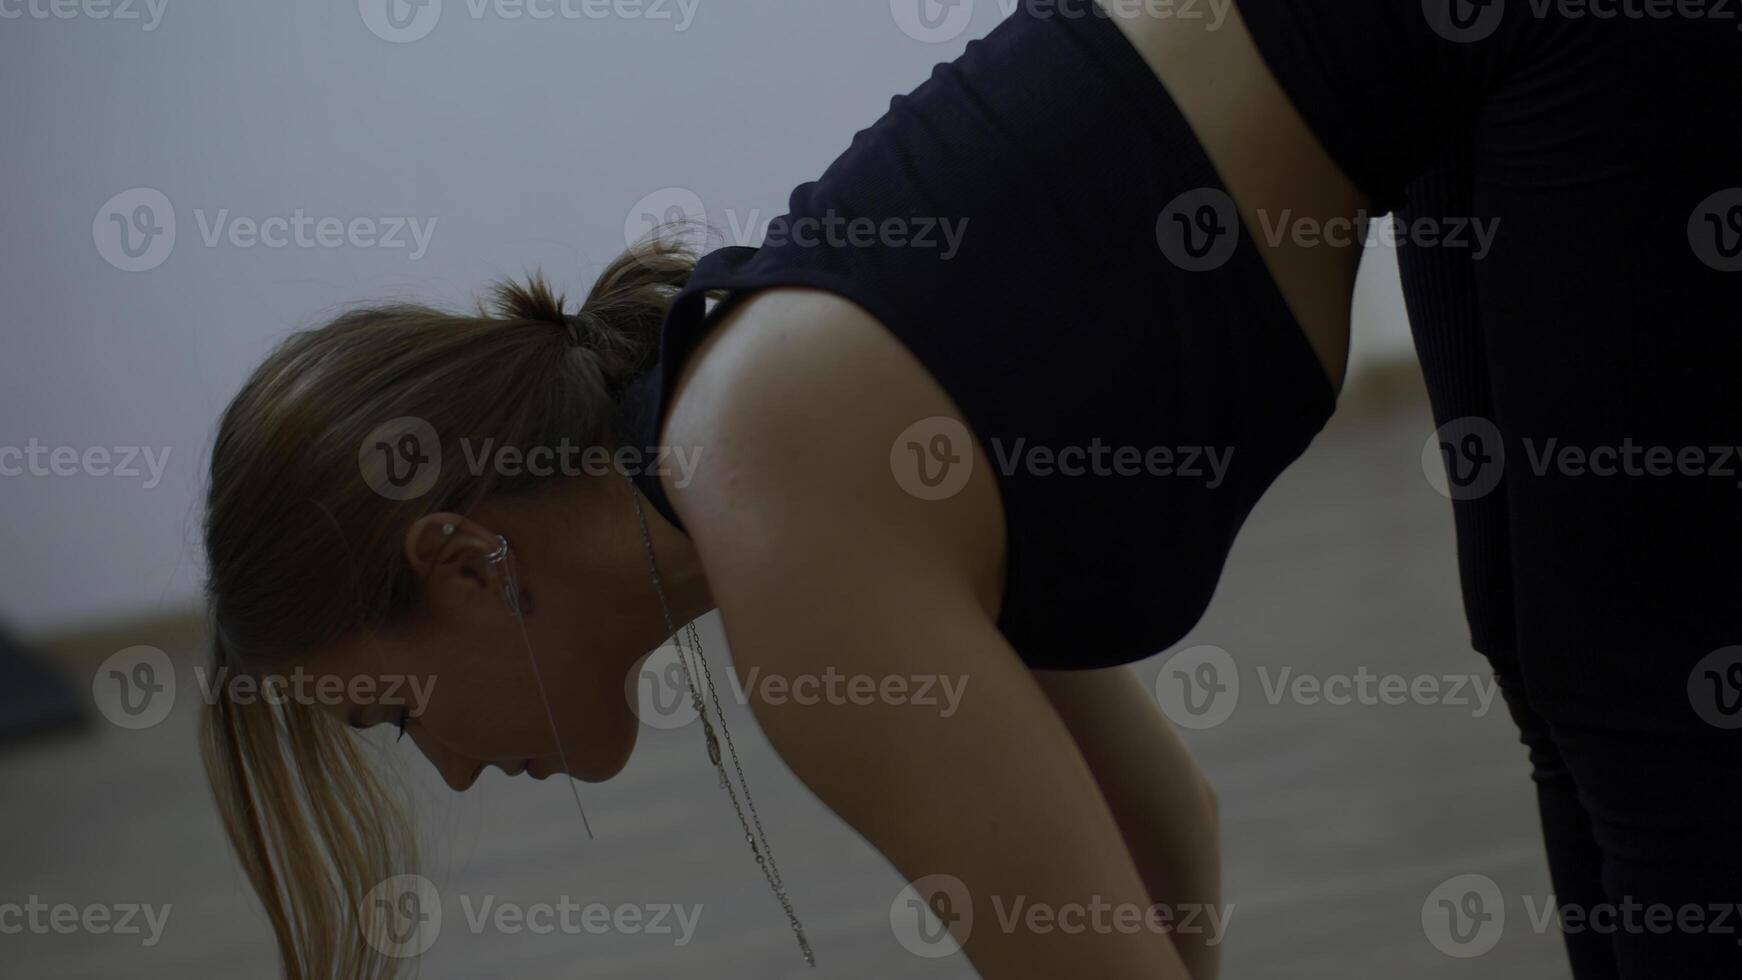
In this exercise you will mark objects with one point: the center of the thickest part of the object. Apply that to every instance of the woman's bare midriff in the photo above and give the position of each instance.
(1283, 181)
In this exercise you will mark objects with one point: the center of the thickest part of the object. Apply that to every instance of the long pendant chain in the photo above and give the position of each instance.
(758, 840)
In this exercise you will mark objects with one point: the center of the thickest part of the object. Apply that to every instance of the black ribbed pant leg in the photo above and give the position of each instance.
(1439, 290)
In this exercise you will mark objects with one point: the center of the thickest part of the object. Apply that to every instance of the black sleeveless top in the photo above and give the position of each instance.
(1016, 221)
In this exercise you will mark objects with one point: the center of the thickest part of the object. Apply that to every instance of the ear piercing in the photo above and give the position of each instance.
(510, 590)
(500, 553)
(493, 557)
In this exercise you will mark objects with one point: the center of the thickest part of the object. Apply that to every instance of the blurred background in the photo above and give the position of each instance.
(187, 181)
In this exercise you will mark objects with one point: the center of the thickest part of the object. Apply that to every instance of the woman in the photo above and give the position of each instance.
(882, 428)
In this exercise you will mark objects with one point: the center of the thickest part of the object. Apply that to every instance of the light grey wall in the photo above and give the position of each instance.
(512, 141)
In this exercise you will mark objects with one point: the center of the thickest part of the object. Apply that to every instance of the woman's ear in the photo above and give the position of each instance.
(449, 555)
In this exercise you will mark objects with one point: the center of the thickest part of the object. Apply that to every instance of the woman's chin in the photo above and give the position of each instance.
(606, 771)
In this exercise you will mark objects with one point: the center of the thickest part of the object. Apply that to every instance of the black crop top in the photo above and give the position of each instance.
(1135, 400)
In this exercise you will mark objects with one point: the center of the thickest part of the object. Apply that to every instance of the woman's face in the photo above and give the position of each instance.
(465, 678)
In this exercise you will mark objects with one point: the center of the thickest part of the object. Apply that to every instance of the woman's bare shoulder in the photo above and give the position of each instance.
(795, 406)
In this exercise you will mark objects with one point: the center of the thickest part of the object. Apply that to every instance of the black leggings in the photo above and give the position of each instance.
(1583, 367)
(1624, 707)
(1633, 826)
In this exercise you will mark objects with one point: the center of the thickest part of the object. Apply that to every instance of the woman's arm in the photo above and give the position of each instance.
(818, 559)
(997, 795)
(1165, 808)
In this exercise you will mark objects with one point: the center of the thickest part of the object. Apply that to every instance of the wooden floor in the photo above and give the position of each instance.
(1339, 820)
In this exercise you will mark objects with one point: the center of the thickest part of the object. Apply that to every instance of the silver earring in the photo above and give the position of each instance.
(500, 553)
(447, 529)
(510, 584)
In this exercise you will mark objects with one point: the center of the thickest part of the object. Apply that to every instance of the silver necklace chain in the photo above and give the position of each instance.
(758, 840)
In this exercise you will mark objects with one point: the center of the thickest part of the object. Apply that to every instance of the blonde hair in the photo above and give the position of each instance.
(301, 552)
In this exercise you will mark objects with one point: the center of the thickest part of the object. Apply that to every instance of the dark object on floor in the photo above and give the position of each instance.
(34, 698)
